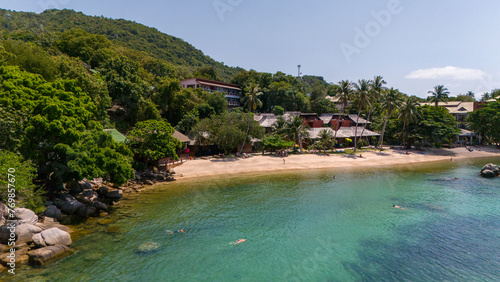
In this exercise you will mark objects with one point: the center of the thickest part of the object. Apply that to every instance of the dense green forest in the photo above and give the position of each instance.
(31, 26)
(64, 77)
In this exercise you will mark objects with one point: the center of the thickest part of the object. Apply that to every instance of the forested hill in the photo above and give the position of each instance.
(122, 32)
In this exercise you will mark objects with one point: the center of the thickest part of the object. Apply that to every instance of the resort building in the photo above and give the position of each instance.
(231, 91)
(346, 126)
(459, 110)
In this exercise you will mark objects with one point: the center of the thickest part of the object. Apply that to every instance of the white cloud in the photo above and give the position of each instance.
(448, 72)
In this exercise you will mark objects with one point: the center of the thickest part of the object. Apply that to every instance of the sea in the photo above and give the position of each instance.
(326, 225)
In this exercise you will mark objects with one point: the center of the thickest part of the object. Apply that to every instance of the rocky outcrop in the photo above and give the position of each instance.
(490, 170)
(46, 255)
(52, 237)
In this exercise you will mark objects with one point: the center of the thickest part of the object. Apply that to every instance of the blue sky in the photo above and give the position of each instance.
(414, 45)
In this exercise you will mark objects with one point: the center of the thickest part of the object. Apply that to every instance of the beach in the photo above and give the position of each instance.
(266, 163)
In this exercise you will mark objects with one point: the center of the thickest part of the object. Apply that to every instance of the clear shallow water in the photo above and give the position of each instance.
(302, 227)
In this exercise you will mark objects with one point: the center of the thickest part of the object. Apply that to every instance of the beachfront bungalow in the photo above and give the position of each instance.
(232, 92)
(184, 152)
(344, 124)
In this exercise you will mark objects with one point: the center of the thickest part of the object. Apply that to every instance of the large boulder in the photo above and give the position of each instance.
(46, 255)
(100, 206)
(25, 216)
(70, 204)
(87, 211)
(490, 170)
(53, 212)
(52, 237)
(488, 173)
(25, 233)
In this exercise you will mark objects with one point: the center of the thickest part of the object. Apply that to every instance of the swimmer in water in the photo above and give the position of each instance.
(398, 207)
(176, 231)
(239, 241)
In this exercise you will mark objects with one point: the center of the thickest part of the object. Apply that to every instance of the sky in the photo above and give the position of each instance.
(414, 45)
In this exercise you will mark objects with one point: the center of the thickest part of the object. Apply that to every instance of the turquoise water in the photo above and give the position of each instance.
(302, 227)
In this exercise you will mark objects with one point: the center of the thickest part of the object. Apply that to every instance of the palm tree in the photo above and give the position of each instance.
(279, 125)
(408, 112)
(344, 93)
(377, 85)
(326, 139)
(440, 94)
(362, 99)
(390, 101)
(296, 130)
(251, 101)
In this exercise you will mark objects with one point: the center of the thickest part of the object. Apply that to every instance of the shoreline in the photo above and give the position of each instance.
(267, 164)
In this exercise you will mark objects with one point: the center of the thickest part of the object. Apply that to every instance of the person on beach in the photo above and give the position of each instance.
(239, 241)
(176, 231)
(283, 161)
(398, 207)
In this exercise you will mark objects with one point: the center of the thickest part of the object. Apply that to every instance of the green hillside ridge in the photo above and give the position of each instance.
(122, 32)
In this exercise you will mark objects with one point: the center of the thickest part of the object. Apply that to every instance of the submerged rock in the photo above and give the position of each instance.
(46, 255)
(148, 247)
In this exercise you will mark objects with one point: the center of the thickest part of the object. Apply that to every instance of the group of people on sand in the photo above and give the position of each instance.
(282, 153)
(182, 231)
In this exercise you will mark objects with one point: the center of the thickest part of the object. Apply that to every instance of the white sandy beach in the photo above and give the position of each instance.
(262, 164)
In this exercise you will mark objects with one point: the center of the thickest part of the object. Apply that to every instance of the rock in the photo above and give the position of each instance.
(148, 247)
(73, 187)
(52, 237)
(25, 233)
(85, 185)
(106, 221)
(4, 214)
(115, 194)
(488, 173)
(70, 204)
(49, 225)
(100, 206)
(53, 212)
(87, 196)
(2, 268)
(18, 257)
(46, 255)
(490, 170)
(103, 190)
(87, 211)
(22, 233)
(25, 216)
(149, 182)
(93, 256)
(5, 233)
(4, 248)
(48, 219)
